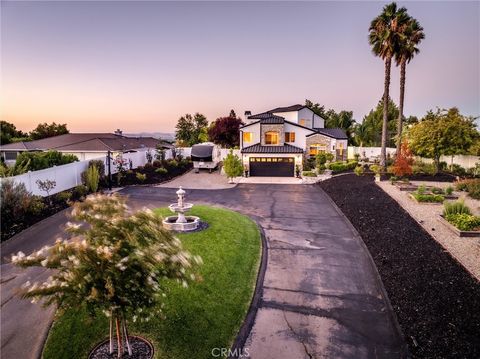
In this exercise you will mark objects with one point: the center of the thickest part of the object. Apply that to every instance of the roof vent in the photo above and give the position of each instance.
(118, 132)
(247, 113)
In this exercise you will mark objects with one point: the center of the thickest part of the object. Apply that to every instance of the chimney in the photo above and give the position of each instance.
(118, 132)
(247, 113)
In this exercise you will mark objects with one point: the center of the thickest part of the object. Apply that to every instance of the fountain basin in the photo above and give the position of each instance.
(176, 208)
(171, 223)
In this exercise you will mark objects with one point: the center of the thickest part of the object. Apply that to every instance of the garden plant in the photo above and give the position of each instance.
(116, 265)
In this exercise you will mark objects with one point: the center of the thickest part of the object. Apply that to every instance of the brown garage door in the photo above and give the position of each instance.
(272, 166)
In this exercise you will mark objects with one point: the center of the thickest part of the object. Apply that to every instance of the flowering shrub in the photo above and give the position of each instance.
(116, 263)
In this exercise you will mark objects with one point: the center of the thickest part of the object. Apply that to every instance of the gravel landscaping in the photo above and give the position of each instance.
(465, 250)
(435, 299)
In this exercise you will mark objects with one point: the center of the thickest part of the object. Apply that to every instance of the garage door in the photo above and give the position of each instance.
(272, 166)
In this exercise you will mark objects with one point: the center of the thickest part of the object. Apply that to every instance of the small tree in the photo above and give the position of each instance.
(46, 186)
(233, 166)
(117, 264)
(149, 156)
(225, 131)
(92, 178)
(403, 161)
(444, 132)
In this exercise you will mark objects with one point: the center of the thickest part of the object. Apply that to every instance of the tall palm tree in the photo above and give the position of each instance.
(384, 37)
(412, 35)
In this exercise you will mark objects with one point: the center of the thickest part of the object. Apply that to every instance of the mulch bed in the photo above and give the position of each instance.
(130, 177)
(141, 349)
(439, 177)
(8, 229)
(437, 302)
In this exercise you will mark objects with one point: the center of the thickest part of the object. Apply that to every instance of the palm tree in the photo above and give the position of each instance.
(384, 37)
(413, 34)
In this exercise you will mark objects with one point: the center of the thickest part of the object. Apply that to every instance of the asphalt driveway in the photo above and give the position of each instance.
(321, 297)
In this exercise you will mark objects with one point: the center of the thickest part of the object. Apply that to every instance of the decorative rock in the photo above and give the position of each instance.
(141, 349)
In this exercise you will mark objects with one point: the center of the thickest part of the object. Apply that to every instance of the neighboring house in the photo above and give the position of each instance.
(83, 145)
(273, 143)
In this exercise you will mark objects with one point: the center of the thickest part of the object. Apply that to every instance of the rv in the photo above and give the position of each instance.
(205, 155)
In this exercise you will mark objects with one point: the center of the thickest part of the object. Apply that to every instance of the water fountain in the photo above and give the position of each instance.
(180, 222)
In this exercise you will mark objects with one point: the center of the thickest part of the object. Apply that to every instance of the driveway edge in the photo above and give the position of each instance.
(236, 350)
(404, 346)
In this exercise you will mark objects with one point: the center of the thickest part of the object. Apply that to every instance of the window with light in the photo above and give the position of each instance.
(248, 137)
(271, 138)
(289, 136)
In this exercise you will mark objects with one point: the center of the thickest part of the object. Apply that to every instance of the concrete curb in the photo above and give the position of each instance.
(246, 327)
(405, 354)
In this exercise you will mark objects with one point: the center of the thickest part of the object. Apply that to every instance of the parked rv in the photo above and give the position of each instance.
(205, 155)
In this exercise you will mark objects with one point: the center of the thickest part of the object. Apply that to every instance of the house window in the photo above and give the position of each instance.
(271, 138)
(302, 122)
(289, 136)
(10, 156)
(315, 149)
(247, 136)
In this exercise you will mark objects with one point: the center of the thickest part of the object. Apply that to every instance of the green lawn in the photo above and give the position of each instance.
(206, 315)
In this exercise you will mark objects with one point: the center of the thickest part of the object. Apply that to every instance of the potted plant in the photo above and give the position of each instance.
(377, 170)
(115, 265)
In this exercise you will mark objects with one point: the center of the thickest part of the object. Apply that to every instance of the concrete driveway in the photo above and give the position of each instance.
(201, 180)
(321, 296)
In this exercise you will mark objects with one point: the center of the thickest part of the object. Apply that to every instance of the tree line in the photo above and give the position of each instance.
(9, 132)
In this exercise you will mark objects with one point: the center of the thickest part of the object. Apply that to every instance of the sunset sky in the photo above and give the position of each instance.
(138, 66)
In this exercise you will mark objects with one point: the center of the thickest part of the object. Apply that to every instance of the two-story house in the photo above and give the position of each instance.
(273, 143)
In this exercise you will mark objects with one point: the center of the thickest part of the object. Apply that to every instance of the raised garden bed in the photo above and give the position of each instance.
(427, 198)
(435, 299)
(457, 231)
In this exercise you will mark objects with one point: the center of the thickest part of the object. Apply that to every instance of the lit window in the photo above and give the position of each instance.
(271, 138)
(247, 136)
(289, 136)
(340, 148)
(302, 122)
(316, 149)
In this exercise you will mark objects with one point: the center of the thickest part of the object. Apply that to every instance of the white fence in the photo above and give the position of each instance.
(466, 161)
(186, 152)
(70, 175)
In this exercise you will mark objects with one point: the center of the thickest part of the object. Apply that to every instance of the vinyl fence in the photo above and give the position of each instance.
(186, 152)
(372, 153)
(70, 175)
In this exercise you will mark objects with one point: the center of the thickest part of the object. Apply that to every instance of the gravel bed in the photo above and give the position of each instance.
(435, 299)
(141, 349)
(465, 250)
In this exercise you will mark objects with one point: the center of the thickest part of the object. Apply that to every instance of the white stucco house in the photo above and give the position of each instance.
(273, 143)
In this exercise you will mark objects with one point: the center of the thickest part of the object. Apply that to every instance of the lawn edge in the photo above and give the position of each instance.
(249, 321)
(405, 353)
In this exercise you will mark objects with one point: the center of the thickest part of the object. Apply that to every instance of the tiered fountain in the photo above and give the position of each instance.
(180, 222)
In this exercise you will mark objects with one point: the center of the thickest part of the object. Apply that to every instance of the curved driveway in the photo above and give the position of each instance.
(321, 297)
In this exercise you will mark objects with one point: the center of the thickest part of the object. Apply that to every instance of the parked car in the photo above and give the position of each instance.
(205, 155)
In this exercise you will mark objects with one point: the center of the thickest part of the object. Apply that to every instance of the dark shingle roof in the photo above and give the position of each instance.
(285, 148)
(267, 118)
(84, 142)
(296, 107)
(337, 133)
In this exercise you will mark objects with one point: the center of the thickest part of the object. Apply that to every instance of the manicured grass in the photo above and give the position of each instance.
(204, 316)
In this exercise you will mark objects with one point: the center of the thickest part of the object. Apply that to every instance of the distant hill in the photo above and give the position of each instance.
(162, 135)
